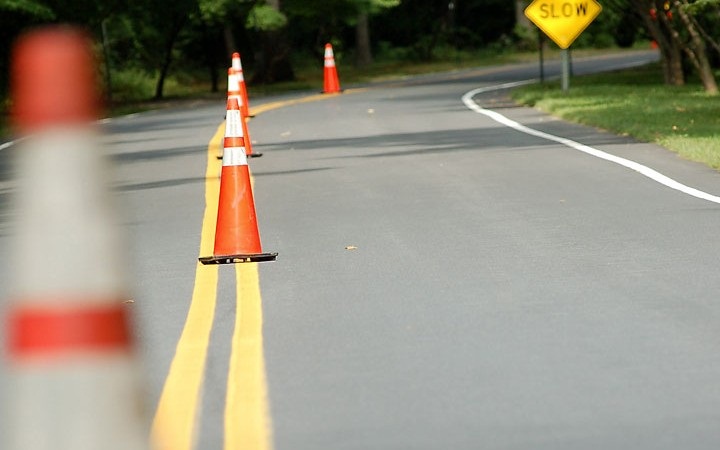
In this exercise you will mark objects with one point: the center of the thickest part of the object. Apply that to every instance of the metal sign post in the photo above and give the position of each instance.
(563, 21)
(565, 59)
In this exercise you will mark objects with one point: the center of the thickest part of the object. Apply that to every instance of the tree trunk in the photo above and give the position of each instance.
(210, 59)
(362, 40)
(671, 54)
(709, 39)
(672, 62)
(272, 62)
(229, 37)
(697, 51)
(674, 73)
(172, 36)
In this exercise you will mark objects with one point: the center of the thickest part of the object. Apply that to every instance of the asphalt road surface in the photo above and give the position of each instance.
(444, 281)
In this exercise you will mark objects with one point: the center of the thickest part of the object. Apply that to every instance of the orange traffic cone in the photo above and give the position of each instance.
(236, 233)
(332, 83)
(73, 377)
(237, 66)
(234, 91)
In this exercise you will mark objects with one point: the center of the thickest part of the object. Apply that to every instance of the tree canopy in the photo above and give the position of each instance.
(153, 37)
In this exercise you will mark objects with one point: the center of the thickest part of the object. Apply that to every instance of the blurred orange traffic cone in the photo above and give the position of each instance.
(74, 378)
(237, 66)
(236, 233)
(332, 83)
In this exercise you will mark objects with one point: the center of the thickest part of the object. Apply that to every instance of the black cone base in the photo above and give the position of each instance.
(234, 259)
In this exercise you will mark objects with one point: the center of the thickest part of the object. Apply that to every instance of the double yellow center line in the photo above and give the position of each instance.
(247, 417)
(246, 411)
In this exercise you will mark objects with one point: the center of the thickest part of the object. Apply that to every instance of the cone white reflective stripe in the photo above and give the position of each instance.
(234, 87)
(233, 123)
(237, 67)
(329, 57)
(234, 156)
(234, 151)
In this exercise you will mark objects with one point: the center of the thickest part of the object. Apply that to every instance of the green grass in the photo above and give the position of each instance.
(637, 103)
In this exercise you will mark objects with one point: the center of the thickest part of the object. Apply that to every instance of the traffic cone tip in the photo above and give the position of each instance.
(53, 79)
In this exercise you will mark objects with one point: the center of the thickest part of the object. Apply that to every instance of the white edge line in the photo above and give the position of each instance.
(11, 143)
(644, 170)
(18, 140)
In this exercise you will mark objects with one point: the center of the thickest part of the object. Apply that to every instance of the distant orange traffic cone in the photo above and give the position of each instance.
(237, 238)
(332, 83)
(234, 91)
(73, 378)
(237, 66)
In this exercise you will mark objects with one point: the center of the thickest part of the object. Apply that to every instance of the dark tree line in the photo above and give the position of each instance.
(160, 36)
(155, 35)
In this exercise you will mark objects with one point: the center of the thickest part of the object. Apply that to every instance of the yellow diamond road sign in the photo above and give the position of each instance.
(563, 20)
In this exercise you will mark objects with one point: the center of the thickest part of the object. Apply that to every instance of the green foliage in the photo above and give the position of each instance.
(336, 10)
(385, 3)
(603, 31)
(126, 48)
(375, 6)
(265, 18)
(215, 10)
(707, 16)
(29, 7)
(136, 85)
(131, 85)
(525, 39)
(427, 26)
(703, 6)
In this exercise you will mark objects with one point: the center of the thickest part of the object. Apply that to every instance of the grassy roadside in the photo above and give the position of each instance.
(637, 103)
